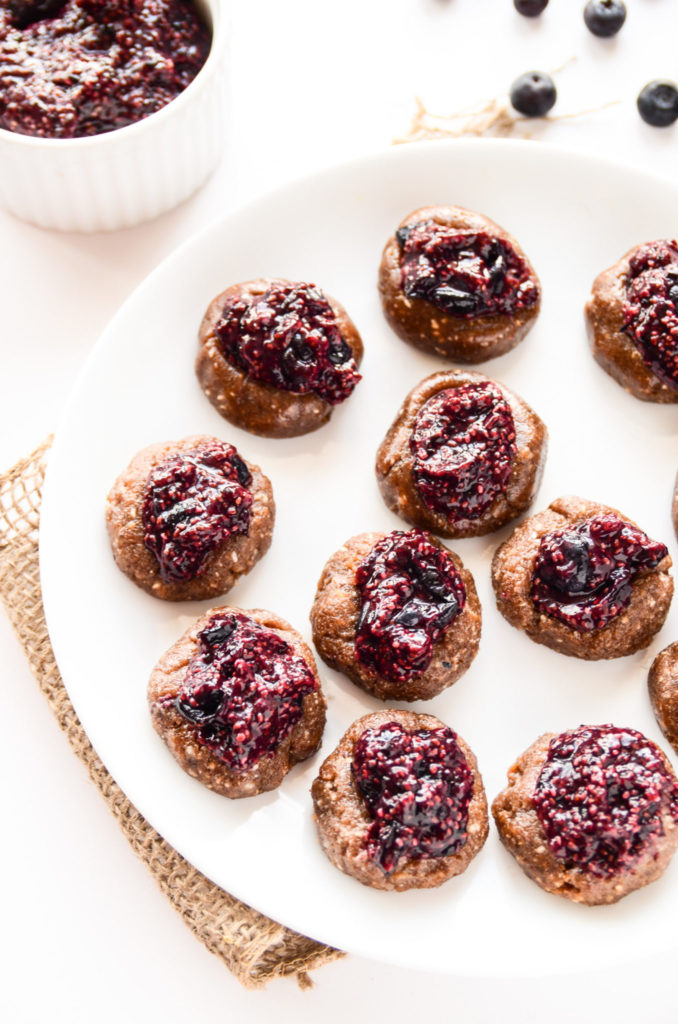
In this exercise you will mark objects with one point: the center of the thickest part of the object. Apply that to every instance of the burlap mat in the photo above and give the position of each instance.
(254, 948)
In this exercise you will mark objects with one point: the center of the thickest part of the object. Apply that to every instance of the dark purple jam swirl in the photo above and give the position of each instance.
(583, 575)
(651, 308)
(601, 797)
(289, 338)
(417, 788)
(83, 67)
(410, 593)
(193, 502)
(465, 273)
(243, 690)
(463, 444)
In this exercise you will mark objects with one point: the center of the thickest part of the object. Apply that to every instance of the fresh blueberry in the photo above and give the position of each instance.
(339, 352)
(200, 705)
(530, 8)
(215, 635)
(457, 300)
(402, 235)
(241, 470)
(604, 17)
(658, 103)
(533, 94)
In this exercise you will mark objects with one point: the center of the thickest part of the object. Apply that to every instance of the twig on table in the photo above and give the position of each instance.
(494, 117)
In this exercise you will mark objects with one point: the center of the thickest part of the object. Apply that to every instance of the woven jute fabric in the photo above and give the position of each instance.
(254, 948)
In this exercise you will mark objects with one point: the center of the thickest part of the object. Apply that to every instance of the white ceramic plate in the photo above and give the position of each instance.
(574, 216)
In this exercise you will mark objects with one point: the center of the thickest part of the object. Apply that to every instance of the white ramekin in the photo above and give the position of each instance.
(129, 175)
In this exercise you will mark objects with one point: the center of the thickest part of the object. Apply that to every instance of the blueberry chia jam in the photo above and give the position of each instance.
(76, 68)
(193, 502)
(464, 273)
(289, 338)
(417, 787)
(410, 592)
(650, 308)
(243, 691)
(463, 445)
(601, 797)
(583, 575)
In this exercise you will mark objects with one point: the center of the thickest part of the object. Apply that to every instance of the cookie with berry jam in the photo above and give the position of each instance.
(275, 357)
(583, 579)
(632, 321)
(662, 683)
(398, 614)
(463, 456)
(590, 814)
(188, 518)
(454, 283)
(237, 700)
(400, 803)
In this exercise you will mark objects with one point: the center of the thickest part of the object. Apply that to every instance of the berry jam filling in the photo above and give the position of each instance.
(463, 445)
(465, 273)
(243, 690)
(410, 593)
(288, 338)
(583, 575)
(417, 787)
(651, 308)
(192, 503)
(83, 67)
(600, 798)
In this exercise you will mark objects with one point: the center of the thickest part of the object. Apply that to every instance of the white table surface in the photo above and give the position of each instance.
(86, 936)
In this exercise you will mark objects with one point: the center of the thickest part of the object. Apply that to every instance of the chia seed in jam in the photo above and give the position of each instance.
(465, 273)
(193, 502)
(243, 690)
(601, 796)
(463, 444)
(410, 593)
(84, 67)
(288, 338)
(583, 575)
(651, 308)
(417, 788)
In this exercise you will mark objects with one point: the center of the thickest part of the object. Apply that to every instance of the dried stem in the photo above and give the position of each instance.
(493, 118)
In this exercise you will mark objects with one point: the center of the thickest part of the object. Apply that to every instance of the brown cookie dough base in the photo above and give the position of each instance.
(395, 463)
(630, 631)
(662, 684)
(223, 567)
(195, 758)
(260, 408)
(522, 834)
(614, 350)
(429, 328)
(334, 619)
(343, 821)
